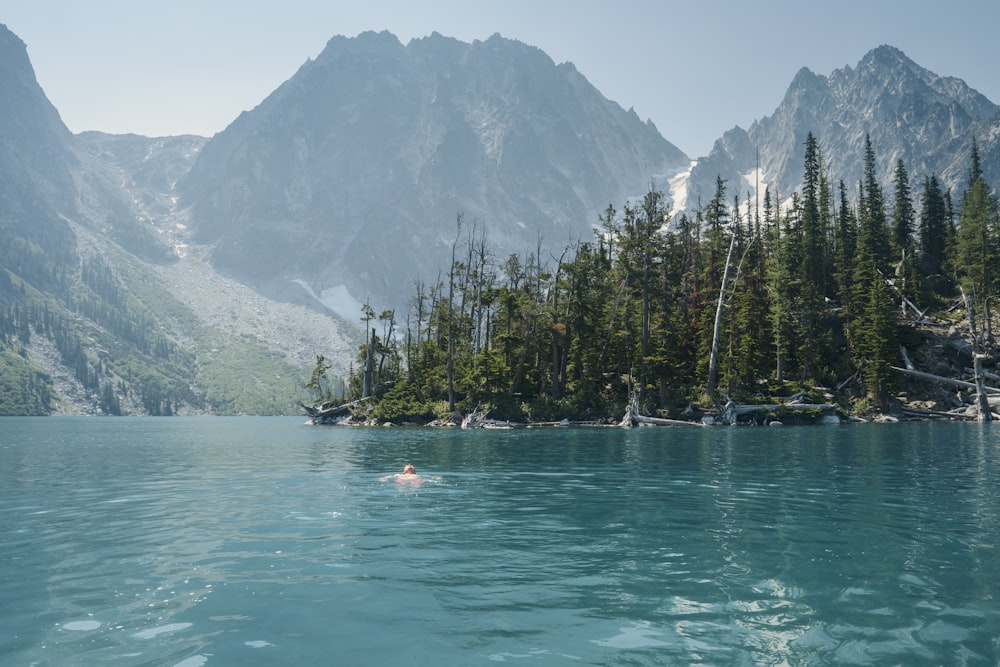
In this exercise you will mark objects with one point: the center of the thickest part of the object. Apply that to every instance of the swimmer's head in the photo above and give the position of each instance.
(409, 469)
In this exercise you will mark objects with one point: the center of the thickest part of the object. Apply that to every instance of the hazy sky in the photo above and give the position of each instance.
(696, 68)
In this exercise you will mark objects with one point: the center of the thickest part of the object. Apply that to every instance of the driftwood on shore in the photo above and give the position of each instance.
(327, 413)
(939, 414)
(731, 413)
(480, 419)
(634, 418)
(642, 420)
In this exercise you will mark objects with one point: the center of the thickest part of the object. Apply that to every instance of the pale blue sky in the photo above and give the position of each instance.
(696, 68)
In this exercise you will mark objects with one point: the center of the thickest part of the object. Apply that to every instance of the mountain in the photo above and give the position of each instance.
(103, 309)
(36, 166)
(190, 275)
(351, 175)
(927, 120)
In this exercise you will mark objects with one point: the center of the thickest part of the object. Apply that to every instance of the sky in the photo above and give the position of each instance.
(696, 68)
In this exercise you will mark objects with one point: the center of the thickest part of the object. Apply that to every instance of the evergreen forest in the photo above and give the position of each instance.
(741, 298)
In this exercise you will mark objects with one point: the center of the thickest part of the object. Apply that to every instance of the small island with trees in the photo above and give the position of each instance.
(838, 302)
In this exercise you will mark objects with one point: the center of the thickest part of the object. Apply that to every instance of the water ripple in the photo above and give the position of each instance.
(201, 542)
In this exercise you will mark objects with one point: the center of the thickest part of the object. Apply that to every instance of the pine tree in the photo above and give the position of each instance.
(932, 234)
(587, 274)
(871, 328)
(977, 251)
(686, 267)
(902, 212)
(782, 288)
(845, 246)
(750, 358)
(874, 339)
(813, 232)
(903, 228)
(873, 230)
(813, 339)
(319, 383)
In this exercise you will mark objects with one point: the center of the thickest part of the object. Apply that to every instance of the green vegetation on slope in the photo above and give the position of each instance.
(132, 347)
(739, 299)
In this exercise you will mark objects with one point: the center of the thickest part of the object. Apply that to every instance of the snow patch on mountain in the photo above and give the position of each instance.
(677, 187)
(754, 185)
(337, 300)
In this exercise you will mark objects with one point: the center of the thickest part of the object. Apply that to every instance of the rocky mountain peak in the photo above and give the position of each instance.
(32, 134)
(885, 57)
(910, 113)
(353, 172)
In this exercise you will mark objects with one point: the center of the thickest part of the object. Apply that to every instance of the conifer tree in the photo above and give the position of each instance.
(874, 340)
(812, 339)
(587, 274)
(902, 211)
(873, 230)
(845, 246)
(903, 228)
(932, 234)
(813, 241)
(750, 358)
(687, 270)
(977, 251)
(782, 288)
(871, 328)
(655, 219)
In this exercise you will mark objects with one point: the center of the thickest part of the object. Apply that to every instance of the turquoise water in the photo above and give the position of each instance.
(211, 541)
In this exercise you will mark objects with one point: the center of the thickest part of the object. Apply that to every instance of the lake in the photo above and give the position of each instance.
(259, 541)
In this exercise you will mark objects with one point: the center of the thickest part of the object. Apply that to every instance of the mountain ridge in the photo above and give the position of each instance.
(105, 247)
(910, 113)
(91, 319)
(491, 130)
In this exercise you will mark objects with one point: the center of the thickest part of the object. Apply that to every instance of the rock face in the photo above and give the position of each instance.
(354, 171)
(104, 308)
(928, 121)
(36, 161)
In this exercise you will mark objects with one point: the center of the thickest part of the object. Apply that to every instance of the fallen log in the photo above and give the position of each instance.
(944, 380)
(475, 419)
(738, 410)
(659, 421)
(731, 413)
(916, 412)
(633, 418)
(325, 413)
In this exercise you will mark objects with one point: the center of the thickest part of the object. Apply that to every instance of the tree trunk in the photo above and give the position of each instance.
(713, 359)
(451, 318)
(982, 405)
(366, 388)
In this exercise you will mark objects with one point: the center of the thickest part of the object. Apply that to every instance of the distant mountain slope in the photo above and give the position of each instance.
(346, 182)
(353, 171)
(97, 313)
(928, 121)
(36, 166)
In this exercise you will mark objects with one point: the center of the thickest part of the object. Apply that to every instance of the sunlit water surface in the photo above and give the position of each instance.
(266, 542)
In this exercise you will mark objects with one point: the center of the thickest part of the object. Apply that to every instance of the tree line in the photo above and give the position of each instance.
(742, 297)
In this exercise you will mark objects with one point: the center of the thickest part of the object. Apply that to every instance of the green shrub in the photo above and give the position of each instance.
(400, 404)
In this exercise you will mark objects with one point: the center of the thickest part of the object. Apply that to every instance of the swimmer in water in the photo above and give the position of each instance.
(409, 474)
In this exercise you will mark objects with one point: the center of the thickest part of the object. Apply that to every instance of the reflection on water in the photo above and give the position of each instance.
(262, 541)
